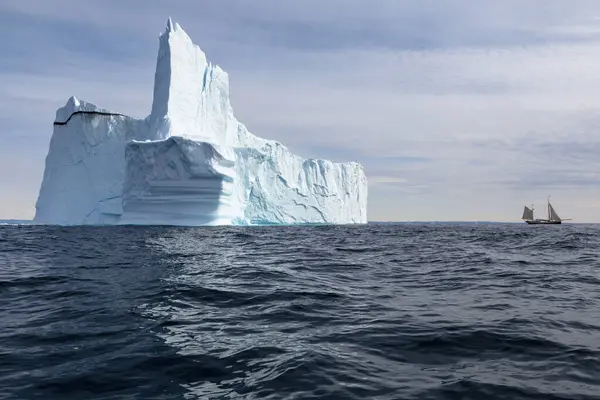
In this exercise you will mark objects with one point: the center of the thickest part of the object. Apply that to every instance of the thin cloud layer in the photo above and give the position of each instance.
(459, 110)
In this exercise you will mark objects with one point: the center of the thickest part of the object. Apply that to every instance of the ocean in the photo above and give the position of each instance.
(377, 311)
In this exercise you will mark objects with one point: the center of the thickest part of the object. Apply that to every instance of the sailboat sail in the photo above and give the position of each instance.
(553, 215)
(527, 213)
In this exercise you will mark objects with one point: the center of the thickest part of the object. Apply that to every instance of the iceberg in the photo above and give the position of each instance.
(190, 162)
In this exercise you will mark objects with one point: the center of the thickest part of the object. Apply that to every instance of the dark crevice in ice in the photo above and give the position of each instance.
(105, 113)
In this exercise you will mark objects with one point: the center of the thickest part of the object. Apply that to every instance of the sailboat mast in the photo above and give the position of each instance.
(549, 215)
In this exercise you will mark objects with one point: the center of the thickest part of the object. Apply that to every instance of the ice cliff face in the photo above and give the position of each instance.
(190, 162)
(179, 181)
(85, 165)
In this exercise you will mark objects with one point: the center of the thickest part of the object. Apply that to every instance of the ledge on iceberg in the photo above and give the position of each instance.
(75, 106)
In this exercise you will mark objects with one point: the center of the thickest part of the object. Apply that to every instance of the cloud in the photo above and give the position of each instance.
(458, 109)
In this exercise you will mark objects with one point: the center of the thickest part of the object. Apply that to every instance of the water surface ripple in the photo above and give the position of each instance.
(489, 311)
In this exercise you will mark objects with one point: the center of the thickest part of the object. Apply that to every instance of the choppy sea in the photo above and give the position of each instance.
(405, 311)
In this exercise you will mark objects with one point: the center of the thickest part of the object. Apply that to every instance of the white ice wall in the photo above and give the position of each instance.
(178, 181)
(85, 165)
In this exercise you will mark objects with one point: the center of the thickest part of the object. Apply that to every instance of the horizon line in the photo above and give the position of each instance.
(32, 222)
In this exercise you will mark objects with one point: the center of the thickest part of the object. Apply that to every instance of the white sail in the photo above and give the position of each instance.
(527, 213)
(553, 216)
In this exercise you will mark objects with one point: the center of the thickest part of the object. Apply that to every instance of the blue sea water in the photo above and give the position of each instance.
(415, 311)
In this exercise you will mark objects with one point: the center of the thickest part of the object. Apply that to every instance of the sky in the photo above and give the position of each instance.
(458, 109)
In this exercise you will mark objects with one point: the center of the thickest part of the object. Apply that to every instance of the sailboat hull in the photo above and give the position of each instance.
(543, 222)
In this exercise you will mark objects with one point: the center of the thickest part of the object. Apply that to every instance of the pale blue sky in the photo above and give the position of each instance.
(458, 109)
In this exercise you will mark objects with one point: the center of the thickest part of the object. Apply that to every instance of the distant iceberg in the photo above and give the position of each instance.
(190, 162)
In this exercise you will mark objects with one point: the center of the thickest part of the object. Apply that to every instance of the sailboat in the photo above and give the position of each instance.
(553, 217)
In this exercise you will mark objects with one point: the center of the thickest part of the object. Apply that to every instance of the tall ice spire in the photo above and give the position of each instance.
(191, 96)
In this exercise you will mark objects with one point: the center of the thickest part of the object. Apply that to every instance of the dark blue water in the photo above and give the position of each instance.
(369, 312)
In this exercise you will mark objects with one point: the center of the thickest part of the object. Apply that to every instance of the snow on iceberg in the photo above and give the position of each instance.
(190, 162)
